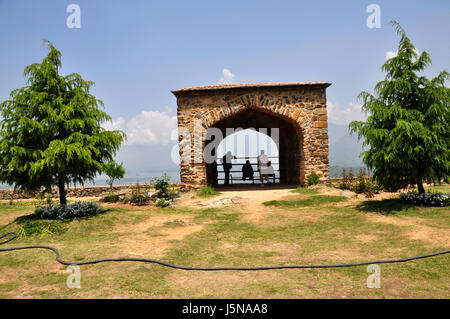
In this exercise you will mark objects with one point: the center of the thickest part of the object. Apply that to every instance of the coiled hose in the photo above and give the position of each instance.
(162, 263)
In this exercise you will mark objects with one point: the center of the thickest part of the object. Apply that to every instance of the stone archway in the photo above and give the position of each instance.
(289, 140)
(297, 109)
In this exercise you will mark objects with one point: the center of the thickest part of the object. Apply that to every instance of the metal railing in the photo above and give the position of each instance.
(275, 178)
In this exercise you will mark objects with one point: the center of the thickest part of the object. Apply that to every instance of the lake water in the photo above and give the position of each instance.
(130, 179)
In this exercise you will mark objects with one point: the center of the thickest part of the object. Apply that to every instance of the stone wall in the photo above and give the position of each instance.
(89, 191)
(298, 108)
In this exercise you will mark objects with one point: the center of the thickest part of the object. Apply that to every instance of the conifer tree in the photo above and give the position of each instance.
(51, 130)
(407, 130)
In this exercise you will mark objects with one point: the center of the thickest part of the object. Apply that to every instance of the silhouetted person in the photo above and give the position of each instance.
(263, 167)
(226, 163)
(247, 171)
(214, 171)
(269, 171)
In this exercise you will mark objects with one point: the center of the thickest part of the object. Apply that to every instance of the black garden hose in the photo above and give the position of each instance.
(162, 263)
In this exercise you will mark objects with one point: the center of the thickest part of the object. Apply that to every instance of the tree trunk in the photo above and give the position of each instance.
(420, 186)
(62, 193)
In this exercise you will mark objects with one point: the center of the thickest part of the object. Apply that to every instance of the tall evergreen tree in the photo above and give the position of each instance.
(51, 132)
(407, 130)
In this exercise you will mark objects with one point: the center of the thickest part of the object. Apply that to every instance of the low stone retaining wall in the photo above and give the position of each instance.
(88, 191)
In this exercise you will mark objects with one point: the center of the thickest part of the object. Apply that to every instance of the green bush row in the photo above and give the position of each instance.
(61, 212)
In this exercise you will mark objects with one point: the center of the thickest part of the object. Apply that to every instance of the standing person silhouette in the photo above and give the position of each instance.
(263, 167)
(226, 163)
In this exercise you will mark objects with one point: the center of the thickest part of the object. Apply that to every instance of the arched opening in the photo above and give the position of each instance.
(245, 146)
(286, 135)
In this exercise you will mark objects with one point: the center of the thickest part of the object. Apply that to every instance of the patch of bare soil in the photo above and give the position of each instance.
(153, 236)
(245, 196)
(416, 229)
(364, 238)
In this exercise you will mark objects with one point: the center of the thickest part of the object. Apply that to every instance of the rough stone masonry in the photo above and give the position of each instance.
(298, 109)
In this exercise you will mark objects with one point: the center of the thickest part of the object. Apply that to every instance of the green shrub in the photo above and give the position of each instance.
(139, 197)
(61, 212)
(163, 188)
(361, 185)
(161, 185)
(426, 199)
(347, 180)
(40, 197)
(207, 191)
(161, 202)
(313, 179)
(110, 198)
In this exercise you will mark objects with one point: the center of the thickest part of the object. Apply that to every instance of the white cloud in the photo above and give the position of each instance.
(227, 77)
(115, 124)
(393, 54)
(341, 116)
(149, 127)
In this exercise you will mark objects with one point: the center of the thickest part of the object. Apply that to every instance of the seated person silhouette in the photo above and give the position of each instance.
(247, 171)
(269, 171)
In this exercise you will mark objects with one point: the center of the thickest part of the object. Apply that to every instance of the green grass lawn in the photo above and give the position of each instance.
(307, 229)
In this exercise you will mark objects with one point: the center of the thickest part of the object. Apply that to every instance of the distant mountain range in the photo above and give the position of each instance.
(344, 150)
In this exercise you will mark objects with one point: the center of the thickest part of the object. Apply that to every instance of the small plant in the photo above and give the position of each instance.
(313, 179)
(164, 191)
(139, 197)
(350, 177)
(114, 171)
(347, 180)
(110, 198)
(48, 199)
(11, 202)
(161, 202)
(207, 191)
(44, 200)
(370, 193)
(61, 212)
(426, 199)
(40, 197)
(161, 185)
(361, 183)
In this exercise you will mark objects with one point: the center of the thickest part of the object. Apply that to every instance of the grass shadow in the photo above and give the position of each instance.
(389, 206)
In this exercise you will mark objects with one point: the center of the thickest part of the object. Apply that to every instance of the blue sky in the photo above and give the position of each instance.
(138, 51)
